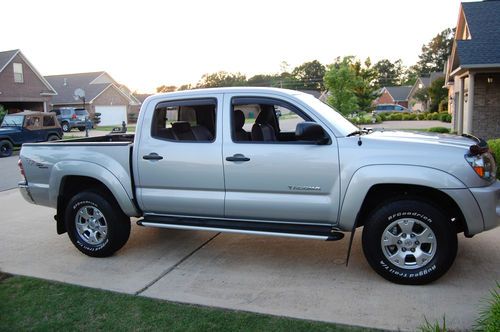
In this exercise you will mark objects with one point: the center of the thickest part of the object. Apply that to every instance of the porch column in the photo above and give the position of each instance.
(470, 106)
(460, 107)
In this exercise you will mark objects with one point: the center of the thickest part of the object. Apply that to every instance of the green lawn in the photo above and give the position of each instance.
(33, 304)
(109, 128)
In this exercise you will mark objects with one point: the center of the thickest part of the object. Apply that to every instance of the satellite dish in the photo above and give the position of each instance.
(79, 93)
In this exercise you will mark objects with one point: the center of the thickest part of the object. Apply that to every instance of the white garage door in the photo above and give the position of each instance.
(112, 115)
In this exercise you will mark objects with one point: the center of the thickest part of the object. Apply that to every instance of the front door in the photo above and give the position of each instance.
(269, 175)
(179, 158)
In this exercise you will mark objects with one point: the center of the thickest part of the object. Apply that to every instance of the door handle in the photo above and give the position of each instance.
(238, 157)
(152, 156)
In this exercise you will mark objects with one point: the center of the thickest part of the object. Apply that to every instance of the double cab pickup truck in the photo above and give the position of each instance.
(268, 161)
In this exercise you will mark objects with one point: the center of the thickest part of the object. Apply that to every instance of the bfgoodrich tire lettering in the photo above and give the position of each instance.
(96, 225)
(409, 242)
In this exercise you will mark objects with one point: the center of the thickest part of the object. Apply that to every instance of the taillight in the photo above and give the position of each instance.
(21, 168)
(73, 116)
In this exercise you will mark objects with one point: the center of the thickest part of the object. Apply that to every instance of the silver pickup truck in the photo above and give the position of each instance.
(270, 162)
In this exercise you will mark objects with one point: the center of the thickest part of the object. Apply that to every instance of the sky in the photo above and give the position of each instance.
(144, 44)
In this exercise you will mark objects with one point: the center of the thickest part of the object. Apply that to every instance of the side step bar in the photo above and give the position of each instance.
(320, 232)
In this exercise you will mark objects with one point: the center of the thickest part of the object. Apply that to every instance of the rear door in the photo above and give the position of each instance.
(277, 178)
(179, 172)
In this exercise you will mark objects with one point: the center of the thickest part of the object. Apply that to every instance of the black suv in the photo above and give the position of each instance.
(70, 118)
(27, 127)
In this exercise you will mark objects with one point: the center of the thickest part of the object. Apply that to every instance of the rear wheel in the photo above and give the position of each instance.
(5, 148)
(409, 242)
(53, 138)
(65, 127)
(96, 225)
(81, 128)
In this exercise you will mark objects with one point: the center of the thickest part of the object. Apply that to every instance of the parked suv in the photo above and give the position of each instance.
(70, 118)
(27, 127)
(390, 108)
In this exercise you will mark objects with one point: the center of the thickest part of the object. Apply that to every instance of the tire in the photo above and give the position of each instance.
(65, 127)
(99, 236)
(81, 128)
(409, 242)
(5, 148)
(53, 138)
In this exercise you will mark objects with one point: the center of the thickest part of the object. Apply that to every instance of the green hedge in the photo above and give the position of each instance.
(441, 130)
(494, 145)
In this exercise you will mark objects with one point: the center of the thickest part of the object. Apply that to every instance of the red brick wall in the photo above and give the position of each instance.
(385, 98)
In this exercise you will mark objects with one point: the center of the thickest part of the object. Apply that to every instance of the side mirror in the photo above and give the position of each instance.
(311, 132)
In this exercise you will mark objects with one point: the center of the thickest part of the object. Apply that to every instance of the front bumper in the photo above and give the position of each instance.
(25, 192)
(488, 199)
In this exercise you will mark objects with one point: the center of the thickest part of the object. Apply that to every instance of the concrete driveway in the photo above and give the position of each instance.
(290, 277)
(9, 172)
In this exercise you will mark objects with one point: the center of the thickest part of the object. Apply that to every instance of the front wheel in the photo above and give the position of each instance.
(5, 148)
(95, 224)
(409, 242)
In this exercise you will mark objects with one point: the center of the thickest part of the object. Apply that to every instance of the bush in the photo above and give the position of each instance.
(443, 106)
(445, 117)
(441, 130)
(494, 145)
(489, 317)
(396, 117)
(434, 116)
(383, 116)
(3, 112)
(421, 116)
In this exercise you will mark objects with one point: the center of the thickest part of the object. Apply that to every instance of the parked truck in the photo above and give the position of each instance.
(223, 160)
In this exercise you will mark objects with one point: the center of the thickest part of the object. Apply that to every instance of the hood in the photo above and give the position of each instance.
(8, 130)
(422, 138)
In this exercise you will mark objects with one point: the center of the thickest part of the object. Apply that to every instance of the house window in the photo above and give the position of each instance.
(18, 73)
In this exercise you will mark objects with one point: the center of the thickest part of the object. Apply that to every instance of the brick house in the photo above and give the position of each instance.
(473, 70)
(21, 85)
(102, 95)
(421, 83)
(394, 95)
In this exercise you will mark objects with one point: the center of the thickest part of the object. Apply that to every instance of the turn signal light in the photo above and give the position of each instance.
(21, 168)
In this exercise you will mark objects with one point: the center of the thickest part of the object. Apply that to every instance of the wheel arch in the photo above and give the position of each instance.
(372, 185)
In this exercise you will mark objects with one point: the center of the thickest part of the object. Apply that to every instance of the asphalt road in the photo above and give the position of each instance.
(9, 172)
(289, 277)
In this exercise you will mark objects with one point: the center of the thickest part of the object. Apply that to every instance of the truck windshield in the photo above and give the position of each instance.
(343, 125)
(12, 121)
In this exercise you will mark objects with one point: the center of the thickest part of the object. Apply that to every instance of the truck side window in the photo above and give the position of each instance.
(185, 120)
(48, 121)
(264, 120)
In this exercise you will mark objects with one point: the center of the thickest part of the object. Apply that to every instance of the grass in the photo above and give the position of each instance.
(109, 128)
(489, 316)
(33, 304)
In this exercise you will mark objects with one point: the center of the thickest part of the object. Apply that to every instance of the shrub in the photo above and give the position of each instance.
(383, 116)
(489, 317)
(441, 130)
(3, 112)
(434, 116)
(494, 145)
(443, 106)
(421, 116)
(428, 116)
(396, 117)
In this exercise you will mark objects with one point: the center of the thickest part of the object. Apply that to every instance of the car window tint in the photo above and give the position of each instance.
(48, 121)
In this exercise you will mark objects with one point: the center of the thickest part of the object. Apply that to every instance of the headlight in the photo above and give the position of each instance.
(483, 164)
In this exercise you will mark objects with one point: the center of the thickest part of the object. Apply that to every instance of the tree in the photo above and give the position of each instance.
(310, 75)
(437, 94)
(166, 88)
(221, 79)
(341, 80)
(185, 87)
(365, 90)
(264, 80)
(435, 53)
(389, 73)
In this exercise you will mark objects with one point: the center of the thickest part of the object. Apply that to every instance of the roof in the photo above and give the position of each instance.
(7, 56)
(398, 93)
(66, 85)
(484, 26)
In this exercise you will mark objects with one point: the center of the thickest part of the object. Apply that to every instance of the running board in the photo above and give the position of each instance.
(304, 231)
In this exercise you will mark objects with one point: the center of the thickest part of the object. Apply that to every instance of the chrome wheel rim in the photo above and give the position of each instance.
(408, 243)
(91, 225)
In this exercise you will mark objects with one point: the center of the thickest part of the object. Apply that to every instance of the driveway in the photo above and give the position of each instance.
(290, 277)
(9, 172)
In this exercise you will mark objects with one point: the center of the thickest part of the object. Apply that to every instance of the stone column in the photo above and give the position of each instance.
(460, 107)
